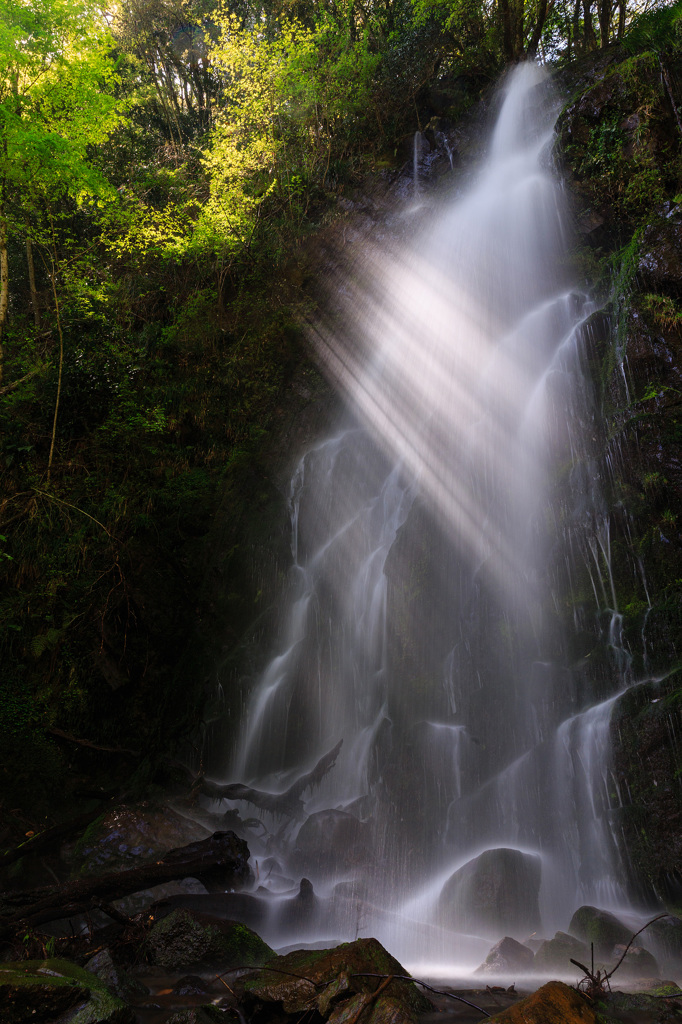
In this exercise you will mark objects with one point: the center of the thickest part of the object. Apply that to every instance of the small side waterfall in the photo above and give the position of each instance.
(425, 620)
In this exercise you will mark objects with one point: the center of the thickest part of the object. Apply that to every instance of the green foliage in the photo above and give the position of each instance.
(656, 29)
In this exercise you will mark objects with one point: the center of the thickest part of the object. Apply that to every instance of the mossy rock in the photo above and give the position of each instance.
(306, 979)
(592, 925)
(555, 955)
(43, 990)
(554, 1003)
(185, 939)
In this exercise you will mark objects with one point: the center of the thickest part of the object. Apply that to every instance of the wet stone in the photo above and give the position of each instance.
(507, 957)
(592, 925)
(555, 955)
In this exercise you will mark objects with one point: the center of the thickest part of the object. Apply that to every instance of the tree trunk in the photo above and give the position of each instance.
(507, 34)
(32, 283)
(4, 286)
(604, 9)
(622, 7)
(61, 367)
(539, 25)
(576, 29)
(589, 38)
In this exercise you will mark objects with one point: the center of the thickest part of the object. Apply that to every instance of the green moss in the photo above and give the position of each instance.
(34, 977)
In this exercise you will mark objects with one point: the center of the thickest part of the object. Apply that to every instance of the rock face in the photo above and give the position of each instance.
(591, 925)
(554, 1003)
(554, 955)
(507, 957)
(496, 891)
(620, 145)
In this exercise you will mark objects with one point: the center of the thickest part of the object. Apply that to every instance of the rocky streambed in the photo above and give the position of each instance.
(183, 952)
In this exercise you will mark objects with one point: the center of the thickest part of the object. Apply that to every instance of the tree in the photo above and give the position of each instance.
(56, 101)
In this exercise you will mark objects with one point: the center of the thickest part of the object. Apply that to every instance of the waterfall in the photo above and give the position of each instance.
(423, 618)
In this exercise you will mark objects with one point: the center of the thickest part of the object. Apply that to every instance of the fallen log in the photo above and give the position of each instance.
(223, 854)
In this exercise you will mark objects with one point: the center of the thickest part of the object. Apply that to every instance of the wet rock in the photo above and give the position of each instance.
(332, 979)
(333, 838)
(142, 900)
(645, 1006)
(592, 925)
(507, 957)
(497, 890)
(554, 1003)
(129, 836)
(555, 955)
(664, 937)
(648, 767)
(660, 262)
(48, 990)
(183, 939)
(191, 985)
(116, 979)
(638, 962)
(248, 908)
(197, 1015)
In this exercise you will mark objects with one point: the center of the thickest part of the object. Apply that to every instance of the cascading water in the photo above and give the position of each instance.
(421, 625)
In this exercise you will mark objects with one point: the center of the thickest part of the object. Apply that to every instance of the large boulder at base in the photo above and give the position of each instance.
(497, 891)
(507, 957)
(332, 980)
(554, 955)
(592, 925)
(184, 939)
(49, 990)
(554, 1003)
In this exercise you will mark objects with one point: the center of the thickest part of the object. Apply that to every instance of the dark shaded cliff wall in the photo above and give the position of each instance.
(620, 145)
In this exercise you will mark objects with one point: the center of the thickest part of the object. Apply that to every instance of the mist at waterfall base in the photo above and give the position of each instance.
(422, 619)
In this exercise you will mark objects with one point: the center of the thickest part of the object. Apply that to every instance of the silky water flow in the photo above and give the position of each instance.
(422, 625)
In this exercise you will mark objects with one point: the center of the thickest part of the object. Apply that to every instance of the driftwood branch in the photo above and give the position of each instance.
(92, 746)
(289, 802)
(222, 853)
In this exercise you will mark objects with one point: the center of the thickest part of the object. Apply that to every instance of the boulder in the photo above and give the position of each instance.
(333, 838)
(184, 939)
(338, 982)
(128, 836)
(496, 891)
(49, 990)
(592, 925)
(638, 962)
(116, 979)
(664, 938)
(554, 955)
(507, 957)
(554, 1003)
(197, 1015)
